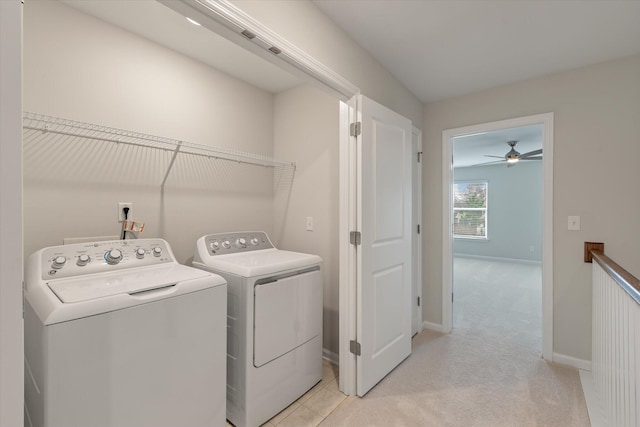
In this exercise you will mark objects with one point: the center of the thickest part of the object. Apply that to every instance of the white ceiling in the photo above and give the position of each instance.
(442, 49)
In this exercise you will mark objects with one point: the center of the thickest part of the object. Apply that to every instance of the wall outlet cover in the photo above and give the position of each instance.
(574, 223)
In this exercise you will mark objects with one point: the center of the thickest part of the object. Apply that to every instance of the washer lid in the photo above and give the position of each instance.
(259, 263)
(131, 282)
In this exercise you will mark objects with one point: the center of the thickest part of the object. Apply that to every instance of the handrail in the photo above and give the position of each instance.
(626, 280)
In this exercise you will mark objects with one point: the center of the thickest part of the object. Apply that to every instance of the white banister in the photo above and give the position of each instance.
(616, 347)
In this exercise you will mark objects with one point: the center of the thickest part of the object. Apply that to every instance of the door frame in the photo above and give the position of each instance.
(416, 221)
(347, 311)
(546, 120)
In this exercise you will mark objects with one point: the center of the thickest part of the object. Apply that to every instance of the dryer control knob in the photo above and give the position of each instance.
(58, 262)
(113, 256)
(254, 241)
(241, 243)
(157, 251)
(226, 244)
(215, 245)
(140, 253)
(83, 260)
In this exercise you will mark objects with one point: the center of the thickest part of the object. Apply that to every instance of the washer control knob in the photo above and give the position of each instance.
(83, 260)
(113, 256)
(140, 253)
(254, 241)
(215, 245)
(58, 262)
(241, 242)
(157, 251)
(226, 244)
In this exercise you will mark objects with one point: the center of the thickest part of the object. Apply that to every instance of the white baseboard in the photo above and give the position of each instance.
(496, 258)
(585, 365)
(592, 397)
(432, 326)
(331, 356)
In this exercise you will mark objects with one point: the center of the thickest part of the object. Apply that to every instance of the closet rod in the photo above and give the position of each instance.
(59, 126)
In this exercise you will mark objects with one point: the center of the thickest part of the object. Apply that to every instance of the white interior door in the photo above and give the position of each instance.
(384, 256)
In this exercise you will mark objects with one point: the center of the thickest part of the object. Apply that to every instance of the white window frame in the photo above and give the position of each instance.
(485, 209)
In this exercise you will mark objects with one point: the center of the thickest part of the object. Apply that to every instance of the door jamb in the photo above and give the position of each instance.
(416, 258)
(547, 218)
(348, 260)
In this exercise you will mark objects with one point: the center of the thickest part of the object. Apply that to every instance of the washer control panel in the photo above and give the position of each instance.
(96, 257)
(229, 243)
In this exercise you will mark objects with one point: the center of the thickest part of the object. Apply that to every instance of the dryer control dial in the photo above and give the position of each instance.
(226, 244)
(113, 256)
(215, 245)
(83, 260)
(241, 242)
(58, 262)
(140, 253)
(157, 251)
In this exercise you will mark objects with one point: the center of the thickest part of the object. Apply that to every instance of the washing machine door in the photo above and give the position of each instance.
(287, 314)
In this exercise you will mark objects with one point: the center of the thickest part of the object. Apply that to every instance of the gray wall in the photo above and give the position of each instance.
(514, 211)
(306, 129)
(11, 335)
(596, 152)
(78, 67)
(304, 25)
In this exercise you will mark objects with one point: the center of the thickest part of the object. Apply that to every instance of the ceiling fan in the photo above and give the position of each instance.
(513, 157)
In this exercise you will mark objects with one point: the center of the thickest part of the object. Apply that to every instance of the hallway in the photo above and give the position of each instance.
(487, 372)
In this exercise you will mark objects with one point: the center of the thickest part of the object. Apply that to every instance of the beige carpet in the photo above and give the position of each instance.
(487, 372)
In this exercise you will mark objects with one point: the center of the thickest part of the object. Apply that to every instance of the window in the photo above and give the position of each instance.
(470, 210)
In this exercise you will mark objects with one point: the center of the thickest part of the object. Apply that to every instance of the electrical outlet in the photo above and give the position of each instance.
(121, 207)
(309, 223)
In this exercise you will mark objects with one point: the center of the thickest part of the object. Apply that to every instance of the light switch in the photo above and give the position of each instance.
(574, 223)
(309, 223)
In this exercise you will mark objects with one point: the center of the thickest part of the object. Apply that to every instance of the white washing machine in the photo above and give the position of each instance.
(119, 334)
(274, 315)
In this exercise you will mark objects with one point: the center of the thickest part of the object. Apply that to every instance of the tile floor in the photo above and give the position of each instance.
(315, 405)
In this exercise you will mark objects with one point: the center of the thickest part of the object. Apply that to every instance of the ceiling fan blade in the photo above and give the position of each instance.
(531, 158)
(531, 153)
(497, 157)
(488, 163)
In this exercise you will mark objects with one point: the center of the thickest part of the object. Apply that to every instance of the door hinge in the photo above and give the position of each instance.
(354, 347)
(452, 298)
(355, 238)
(419, 155)
(355, 128)
(418, 228)
(418, 301)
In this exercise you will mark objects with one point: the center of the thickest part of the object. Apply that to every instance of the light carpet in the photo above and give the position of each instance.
(487, 372)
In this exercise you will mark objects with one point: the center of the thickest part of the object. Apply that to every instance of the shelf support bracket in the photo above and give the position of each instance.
(173, 160)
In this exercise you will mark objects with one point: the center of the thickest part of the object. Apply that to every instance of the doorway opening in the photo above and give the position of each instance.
(497, 235)
(497, 209)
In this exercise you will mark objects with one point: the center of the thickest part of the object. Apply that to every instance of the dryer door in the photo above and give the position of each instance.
(287, 314)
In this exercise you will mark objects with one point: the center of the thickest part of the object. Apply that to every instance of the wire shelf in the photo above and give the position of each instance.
(59, 128)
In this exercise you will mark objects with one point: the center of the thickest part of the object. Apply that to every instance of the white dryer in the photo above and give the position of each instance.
(274, 315)
(119, 334)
